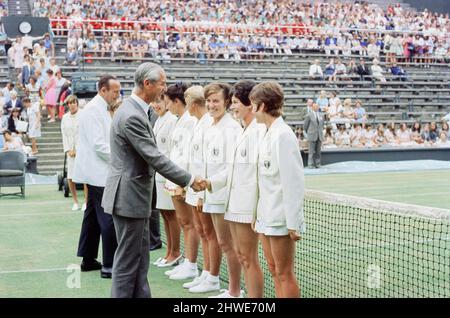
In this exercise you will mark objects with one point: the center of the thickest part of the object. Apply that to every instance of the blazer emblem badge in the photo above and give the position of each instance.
(243, 152)
(267, 164)
(215, 152)
(163, 140)
(196, 147)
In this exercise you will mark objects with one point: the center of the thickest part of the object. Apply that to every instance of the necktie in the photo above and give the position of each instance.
(149, 114)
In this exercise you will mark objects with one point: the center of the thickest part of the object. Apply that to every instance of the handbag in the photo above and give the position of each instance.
(21, 126)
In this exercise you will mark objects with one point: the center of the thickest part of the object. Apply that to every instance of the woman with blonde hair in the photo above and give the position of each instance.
(279, 213)
(195, 101)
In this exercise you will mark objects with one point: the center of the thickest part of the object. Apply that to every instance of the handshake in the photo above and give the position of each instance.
(200, 184)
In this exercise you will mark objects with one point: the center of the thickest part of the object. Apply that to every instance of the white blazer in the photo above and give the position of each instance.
(93, 148)
(163, 128)
(280, 179)
(69, 129)
(197, 156)
(241, 179)
(219, 145)
(179, 144)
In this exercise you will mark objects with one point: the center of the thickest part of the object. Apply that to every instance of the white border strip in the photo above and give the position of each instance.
(378, 205)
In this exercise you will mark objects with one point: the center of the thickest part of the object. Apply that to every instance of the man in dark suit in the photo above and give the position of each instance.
(363, 71)
(313, 125)
(128, 194)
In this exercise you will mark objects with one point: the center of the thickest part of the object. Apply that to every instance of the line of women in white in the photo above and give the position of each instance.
(255, 186)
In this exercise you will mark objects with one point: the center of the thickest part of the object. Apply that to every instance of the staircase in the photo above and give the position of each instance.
(19, 7)
(51, 154)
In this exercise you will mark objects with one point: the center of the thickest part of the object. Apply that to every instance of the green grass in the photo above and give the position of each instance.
(39, 238)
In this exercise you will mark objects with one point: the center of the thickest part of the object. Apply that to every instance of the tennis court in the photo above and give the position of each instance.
(350, 249)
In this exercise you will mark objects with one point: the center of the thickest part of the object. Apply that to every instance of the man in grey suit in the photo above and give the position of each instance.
(313, 126)
(128, 194)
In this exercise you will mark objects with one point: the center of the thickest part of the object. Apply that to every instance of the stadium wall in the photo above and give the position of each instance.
(441, 6)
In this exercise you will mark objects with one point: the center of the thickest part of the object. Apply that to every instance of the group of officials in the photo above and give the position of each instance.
(227, 171)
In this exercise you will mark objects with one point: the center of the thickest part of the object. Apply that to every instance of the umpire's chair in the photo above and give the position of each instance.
(12, 172)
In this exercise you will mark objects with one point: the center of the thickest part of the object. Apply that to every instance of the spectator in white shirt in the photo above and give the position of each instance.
(315, 70)
(91, 167)
(377, 71)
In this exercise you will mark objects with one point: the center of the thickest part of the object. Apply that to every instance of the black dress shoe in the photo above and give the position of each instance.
(106, 272)
(90, 266)
(156, 247)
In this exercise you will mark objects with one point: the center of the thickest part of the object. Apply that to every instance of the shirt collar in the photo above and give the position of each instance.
(102, 101)
(141, 102)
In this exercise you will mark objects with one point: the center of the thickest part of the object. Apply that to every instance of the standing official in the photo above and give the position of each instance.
(90, 167)
(128, 195)
(313, 125)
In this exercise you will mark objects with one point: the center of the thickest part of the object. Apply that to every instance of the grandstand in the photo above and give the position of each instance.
(424, 97)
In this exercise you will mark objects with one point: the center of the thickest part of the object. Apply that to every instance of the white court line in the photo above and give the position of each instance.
(30, 203)
(413, 194)
(40, 214)
(34, 271)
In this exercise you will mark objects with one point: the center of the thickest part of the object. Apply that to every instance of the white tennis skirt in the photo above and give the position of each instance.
(214, 208)
(192, 197)
(265, 229)
(238, 217)
(163, 199)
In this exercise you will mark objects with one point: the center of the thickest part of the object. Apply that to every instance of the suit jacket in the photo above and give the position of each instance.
(9, 105)
(134, 159)
(313, 129)
(363, 71)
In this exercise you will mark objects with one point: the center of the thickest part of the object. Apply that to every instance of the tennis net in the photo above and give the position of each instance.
(358, 247)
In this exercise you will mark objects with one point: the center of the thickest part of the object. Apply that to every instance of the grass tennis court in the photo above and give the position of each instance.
(39, 236)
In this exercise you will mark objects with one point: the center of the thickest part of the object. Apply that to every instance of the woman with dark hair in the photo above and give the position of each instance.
(14, 117)
(415, 133)
(434, 132)
(163, 128)
(179, 154)
(279, 212)
(50, 95)
(240, 180)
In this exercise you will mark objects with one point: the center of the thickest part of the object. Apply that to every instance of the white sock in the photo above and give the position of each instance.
(204, 274)
(191, 265)
(213, 279)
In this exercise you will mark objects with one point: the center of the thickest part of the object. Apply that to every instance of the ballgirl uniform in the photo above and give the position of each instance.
(164, 126)
(281, 182)
(219, 144)
(241, 179)
(196, 156)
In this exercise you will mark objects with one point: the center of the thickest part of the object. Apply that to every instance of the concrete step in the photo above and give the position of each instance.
(50, 139)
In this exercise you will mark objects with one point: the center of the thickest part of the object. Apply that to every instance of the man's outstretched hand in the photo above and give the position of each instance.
(199, 184)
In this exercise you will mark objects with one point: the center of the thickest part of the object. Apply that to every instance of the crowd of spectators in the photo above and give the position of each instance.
(224, 29)
(347, 126)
